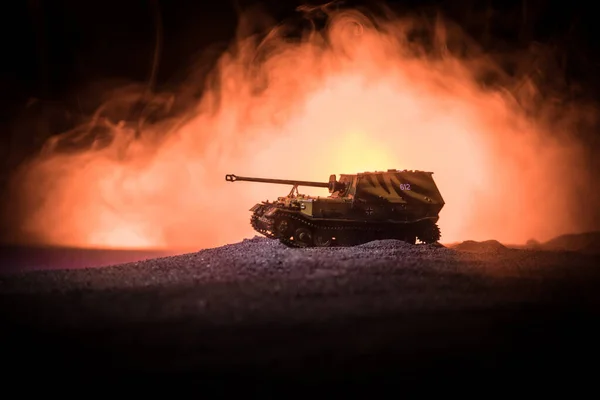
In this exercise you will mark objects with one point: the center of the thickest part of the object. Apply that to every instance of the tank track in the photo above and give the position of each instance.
(254, 222)
(291, 243)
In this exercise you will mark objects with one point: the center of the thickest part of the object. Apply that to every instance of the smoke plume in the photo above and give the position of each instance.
(368, 91)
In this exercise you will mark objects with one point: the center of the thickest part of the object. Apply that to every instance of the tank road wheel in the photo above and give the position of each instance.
(428, 232)
(323, 239)
(303, 237)
(282, 227)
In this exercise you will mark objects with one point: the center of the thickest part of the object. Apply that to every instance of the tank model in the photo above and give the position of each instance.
(395, 204)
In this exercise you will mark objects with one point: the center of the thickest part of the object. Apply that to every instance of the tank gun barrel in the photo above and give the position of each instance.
(233, 178)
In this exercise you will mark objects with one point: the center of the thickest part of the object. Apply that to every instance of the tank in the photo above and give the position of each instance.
(395, 204)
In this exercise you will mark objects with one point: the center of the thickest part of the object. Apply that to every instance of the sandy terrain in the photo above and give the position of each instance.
(383, 309)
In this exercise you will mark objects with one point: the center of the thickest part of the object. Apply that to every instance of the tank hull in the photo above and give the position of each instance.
(395, 204)
(294, 228)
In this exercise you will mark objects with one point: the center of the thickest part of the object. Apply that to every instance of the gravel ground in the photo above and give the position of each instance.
(258, 306)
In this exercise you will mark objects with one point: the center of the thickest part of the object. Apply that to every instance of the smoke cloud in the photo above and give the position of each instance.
(369, 91)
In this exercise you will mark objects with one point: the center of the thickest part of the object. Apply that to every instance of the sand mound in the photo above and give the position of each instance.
(385, 244)
(533, 244)
(487, 246)
(580, 242)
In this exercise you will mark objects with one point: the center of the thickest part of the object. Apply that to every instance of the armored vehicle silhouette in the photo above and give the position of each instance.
(396, 204)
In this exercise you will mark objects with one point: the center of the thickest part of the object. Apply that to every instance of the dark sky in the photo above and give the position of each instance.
(50, 46)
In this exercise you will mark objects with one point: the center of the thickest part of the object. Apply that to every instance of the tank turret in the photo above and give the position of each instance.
(395, 204)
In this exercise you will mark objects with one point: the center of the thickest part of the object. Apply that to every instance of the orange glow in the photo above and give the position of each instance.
(367, 100)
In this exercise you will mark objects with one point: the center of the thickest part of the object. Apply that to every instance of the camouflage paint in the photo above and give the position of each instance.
(398, 196)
